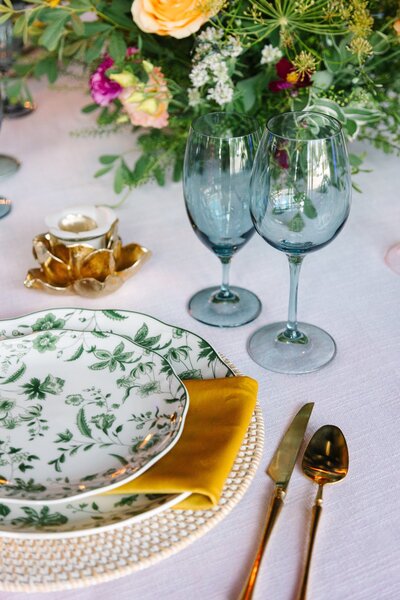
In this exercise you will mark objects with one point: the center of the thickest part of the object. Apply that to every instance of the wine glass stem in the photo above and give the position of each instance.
(292, 332)
(225, 293)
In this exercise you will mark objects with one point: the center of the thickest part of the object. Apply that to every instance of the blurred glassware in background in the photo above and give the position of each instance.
(17, 100)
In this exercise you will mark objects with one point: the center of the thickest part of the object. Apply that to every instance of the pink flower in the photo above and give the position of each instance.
(147, 104)
(102, 89)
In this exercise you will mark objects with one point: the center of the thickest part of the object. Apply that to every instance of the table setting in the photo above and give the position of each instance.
(164, 431)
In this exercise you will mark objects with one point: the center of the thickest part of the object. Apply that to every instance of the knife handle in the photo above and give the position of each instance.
(274, 510)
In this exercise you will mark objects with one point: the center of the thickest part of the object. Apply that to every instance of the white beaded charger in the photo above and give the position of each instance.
(62, 564)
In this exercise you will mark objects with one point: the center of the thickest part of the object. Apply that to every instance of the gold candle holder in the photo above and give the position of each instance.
(83, 268)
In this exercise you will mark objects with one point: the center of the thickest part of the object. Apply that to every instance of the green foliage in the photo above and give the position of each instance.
(358, 87)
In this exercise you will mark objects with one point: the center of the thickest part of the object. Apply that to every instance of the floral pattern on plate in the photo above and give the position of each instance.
(191, 356)
(82, 411)
(76, 518)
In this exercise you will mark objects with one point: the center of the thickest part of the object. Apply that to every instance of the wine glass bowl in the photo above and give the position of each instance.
(218, 161)
(301, 191)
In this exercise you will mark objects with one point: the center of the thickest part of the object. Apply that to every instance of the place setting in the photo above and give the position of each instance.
(159, 422)
(105, 413)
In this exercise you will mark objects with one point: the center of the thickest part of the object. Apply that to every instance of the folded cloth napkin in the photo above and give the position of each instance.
(219, 414)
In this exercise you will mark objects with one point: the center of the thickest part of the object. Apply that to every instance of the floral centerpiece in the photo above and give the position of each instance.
(155, 65)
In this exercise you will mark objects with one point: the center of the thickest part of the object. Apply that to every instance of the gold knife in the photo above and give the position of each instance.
(280, 469)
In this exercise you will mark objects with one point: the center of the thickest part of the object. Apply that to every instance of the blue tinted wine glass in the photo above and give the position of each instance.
(300, 200)
(216, 181)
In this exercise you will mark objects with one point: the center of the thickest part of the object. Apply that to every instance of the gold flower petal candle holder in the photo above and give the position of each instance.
(82, 268)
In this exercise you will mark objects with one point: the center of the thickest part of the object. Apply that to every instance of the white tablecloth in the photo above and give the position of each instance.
(345, 288)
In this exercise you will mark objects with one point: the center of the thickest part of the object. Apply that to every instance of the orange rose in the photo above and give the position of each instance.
(396, 26)
(177, 19)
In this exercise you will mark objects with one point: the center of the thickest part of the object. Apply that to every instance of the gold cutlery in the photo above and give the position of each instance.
(279, 470)
(326, 460)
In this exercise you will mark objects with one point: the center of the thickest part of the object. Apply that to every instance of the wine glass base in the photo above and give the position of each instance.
(8, 165)
(392, 258)
(5, 206)
(224, 314)
(16, 111)
(288, 357)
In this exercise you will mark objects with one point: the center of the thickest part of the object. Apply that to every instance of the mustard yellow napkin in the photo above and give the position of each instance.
(219, 414)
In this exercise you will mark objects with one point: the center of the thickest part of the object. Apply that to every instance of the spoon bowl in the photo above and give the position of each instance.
(326, 460)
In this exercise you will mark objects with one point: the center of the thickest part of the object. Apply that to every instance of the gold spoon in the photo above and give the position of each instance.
(326, 460)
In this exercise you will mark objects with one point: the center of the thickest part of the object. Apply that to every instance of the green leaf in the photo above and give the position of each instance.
(82, 424)
(76, 354)
(99, 334)
(309, 208)
(77, 25)
(296, 224)
(351, 127)
(117, 47)
(332, 60)
(113, 314)
(121, 459)
(90, 108)
(141, 334)
(355, 161)
(159, 175)
(102, 171)
(53, 32)
(247, 95)
(48, 67)
(329, 107)
(108, 159)
(322, 79)
(4, 510)
(15, 376)
(19, 25)
(177, 171)
(119, 180)
(95, 48)
(4, 18)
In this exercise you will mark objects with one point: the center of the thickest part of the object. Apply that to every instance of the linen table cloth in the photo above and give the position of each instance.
(345, 288)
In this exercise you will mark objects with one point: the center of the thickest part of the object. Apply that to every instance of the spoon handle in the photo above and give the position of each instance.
(316, 513)
(274, 510)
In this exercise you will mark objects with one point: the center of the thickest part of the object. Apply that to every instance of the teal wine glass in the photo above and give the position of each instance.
(300, 200)
(216, 181)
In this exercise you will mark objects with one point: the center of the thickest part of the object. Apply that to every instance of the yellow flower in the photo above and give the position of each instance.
(125, 78)
(177, 19)
(53, 3)
(305, 64)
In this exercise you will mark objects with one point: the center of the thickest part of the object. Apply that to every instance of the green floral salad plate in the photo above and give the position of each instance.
(82, 412)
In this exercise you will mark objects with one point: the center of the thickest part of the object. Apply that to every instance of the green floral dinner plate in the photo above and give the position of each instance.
(80, 412)
(74, 518)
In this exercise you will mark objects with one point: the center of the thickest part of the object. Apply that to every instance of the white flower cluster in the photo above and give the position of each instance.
(213, 64)
(270, 54)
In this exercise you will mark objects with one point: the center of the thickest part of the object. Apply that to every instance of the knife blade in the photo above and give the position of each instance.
(282, 463)
(279, 470)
